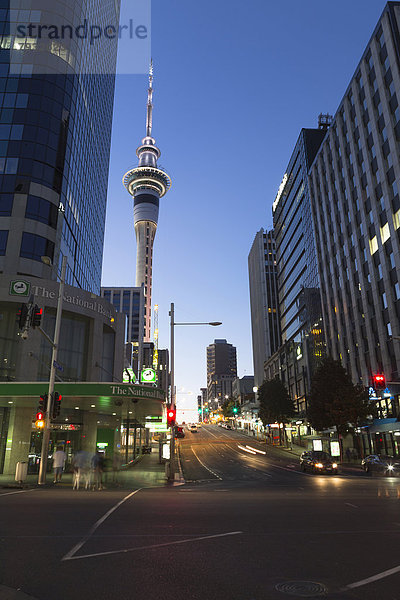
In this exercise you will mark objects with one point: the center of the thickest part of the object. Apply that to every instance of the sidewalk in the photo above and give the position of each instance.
(145, 472)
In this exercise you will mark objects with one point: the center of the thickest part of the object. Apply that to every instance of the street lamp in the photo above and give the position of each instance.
(46, 429)
(172, 375)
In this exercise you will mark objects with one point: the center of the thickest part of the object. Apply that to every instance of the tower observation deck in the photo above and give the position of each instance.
(147, 184)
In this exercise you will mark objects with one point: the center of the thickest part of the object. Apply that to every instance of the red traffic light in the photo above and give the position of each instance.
(39, 416)
(171, 417)
(36, 316)
(379, 381)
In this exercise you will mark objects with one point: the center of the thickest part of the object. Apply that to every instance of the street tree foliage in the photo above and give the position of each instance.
(227, 408)
(276, 405)
(334, 400)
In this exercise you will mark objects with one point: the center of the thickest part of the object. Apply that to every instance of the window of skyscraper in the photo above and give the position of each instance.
(35, 246)
(6, 204)
(3, 242)
(41, 210)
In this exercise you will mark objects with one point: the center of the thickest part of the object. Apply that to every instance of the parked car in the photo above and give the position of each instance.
(381, 464)
(318, 462)
(179, 433)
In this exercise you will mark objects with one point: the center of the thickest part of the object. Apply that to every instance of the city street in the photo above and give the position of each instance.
(242, 525)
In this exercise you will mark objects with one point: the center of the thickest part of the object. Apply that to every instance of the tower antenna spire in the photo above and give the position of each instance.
(149, 119)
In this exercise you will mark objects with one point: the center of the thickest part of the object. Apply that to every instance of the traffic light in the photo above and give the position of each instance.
(22, 316)
(171, 416)
(39, 423)
(36, 317)
(379, 381)
(56, 405)
(199, 410)
(235, 410)
(43, 403)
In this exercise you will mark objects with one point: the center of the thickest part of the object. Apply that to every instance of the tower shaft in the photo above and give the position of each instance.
(145, 233)
(147, 184)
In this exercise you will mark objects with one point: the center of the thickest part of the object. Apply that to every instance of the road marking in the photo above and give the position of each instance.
(78, 546)
(352, 505)
(211, 433)
(18, 492)
(205, 466)
(372, 579)
(205, 537)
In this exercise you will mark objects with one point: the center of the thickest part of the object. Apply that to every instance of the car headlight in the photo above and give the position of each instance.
(390, 467)
(319, 465)
(334, 465)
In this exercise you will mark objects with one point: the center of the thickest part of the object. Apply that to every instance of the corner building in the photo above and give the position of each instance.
(356, 209)
(55, 135)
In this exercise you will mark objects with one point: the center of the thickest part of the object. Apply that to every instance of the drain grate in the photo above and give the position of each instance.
(303, 589)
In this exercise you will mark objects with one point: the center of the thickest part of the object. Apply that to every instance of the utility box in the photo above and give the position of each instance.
(21, 471)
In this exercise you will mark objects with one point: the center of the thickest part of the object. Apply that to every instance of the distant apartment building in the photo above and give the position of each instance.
(354, 180)
(265, 326)
(130, 301)
(242, 390)
(297, 270)
(221, 370)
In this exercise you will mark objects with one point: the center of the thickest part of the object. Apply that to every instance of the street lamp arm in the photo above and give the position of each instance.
(212, 323)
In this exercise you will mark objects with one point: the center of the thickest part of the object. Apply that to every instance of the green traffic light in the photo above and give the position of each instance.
(235, 410)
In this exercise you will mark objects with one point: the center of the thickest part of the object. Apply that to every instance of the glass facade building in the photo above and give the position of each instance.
(298, 280)
(55, 134)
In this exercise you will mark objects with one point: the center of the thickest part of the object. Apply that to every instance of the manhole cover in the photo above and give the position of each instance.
(304, 589)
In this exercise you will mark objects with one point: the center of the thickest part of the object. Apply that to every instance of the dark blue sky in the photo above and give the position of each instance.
(234, 84)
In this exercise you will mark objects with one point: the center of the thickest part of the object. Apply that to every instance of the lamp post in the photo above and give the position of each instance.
(54, 343)
(172, 376)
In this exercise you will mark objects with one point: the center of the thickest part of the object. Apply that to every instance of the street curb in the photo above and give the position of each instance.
(181, 477)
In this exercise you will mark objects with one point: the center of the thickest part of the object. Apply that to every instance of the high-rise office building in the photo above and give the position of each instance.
(147, 184)
(356, 207)
(265, 326)
(221, 370)
(130, 301)
(298, 281)
(55, 135)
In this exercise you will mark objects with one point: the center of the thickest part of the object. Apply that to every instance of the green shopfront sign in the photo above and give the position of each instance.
(83, 390)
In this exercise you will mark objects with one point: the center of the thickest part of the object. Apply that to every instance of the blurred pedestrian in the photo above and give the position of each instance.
(98, 467)
(117, 462)
(348, 454)
(59, 458)
(82, 472)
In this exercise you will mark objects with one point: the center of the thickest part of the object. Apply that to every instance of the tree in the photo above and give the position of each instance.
(334, 401)
(276, 406)
(230, 408)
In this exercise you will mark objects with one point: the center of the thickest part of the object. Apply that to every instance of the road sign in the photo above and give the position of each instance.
(148, 375)
(19, 287)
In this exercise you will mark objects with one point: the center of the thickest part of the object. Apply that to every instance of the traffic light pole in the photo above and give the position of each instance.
(173, 400)
(47, 417)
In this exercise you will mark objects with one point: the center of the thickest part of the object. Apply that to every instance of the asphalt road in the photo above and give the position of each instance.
(243, 527)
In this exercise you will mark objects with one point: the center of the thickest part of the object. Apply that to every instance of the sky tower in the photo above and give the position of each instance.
(147, 184)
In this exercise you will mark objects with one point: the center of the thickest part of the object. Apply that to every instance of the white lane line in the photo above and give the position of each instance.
(70, 554)
(352, 505)
(205, 466)
(372, 579)
(19, 492)
(205, 537)
(211, 433)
